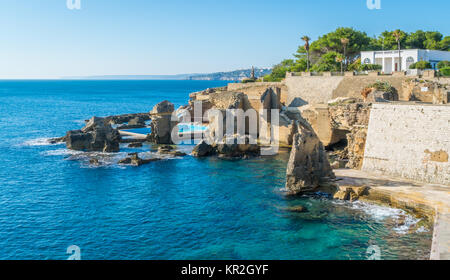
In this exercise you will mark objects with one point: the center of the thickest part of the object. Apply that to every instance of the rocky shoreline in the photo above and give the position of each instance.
(321, 139)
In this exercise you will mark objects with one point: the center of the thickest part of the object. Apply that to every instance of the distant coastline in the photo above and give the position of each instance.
(237, 75)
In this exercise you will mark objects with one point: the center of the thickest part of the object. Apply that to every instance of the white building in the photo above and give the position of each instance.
(390, 59)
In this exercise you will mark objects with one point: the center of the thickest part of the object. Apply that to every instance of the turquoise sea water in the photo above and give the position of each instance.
(183, 208)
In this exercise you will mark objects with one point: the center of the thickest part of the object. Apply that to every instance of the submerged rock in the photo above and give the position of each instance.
(135, 145)
(308, 164)
(97, 135)
(135, 160)
(295, 209)
(169, 150)
(57, 140)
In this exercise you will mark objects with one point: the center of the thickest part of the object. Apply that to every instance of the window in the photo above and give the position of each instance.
(367, 61)
(409, 61)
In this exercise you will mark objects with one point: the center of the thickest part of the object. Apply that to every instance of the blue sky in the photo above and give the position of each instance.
(44, 39)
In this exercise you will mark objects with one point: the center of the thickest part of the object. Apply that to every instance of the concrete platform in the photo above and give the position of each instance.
(429, 199)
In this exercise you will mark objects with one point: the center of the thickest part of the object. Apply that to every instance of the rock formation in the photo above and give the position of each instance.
(203, 149)
(135, 160)
(232, 146)
(97, 135)
(308, 163)
(356, 143)
(162, 124)
(426, 91)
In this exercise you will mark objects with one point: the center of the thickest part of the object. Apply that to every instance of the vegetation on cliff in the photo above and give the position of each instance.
(340, 50)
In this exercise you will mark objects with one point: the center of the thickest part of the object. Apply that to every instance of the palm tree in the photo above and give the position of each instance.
(340, 59)
(307, 39)
(398, 35)
(344, 42)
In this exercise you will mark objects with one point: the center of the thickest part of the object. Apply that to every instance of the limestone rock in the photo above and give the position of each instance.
(356, 140)
(162, 123)
(203, 149)
(238, 146)
(308, 163)
(135, 160)
(97, 135)
(169, 150)
(227, 100)
(350, 193)
(296, 209)
(380, 96)
(345, 116)
(135, 145)
(163, 107)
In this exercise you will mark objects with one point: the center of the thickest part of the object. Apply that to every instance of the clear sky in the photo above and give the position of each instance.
(44, 39)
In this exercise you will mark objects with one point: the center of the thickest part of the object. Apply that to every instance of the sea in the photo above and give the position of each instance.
(53, 200)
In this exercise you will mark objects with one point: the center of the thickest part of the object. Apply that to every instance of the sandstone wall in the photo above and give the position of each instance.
(410, 141)
(352, 86)
(254, 91)
(306, 90)
(321, 89)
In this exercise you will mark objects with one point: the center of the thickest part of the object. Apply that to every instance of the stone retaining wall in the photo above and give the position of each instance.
(410, 141)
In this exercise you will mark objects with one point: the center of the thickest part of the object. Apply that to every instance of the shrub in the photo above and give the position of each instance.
(445, 71)
(422, 65)
(443, 64)
(383, 86)
(370, 67)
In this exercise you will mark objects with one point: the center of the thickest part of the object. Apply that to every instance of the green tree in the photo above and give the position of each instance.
(387, 40)
(422, 65)
(444, 45)
(445, 71)
(443, 64)
(327, 63)
(279, 71)
(331, 42)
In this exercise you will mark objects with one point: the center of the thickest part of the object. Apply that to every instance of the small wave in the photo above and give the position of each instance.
(40, 142)
(61, 152)
(404, 221)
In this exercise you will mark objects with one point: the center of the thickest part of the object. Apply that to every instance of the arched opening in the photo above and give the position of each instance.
(409, 62)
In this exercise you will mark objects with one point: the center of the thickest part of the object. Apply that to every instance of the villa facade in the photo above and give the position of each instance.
(390, 59)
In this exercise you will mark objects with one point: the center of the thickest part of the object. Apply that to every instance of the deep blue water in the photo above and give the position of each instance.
(183, 208)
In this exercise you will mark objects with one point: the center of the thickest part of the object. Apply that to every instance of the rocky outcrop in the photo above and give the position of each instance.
(308, 164)
(356, 143)
(380, 96)
(162, 123)
(238, 146)
(164, 107)
(232, 146)
(131, 120)
(426, 91)
(97, 135)
(169, 150)
(203, 149)
(350, 193)
(227, 100)
(344, 116)
(135, 145)
(135, 160)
